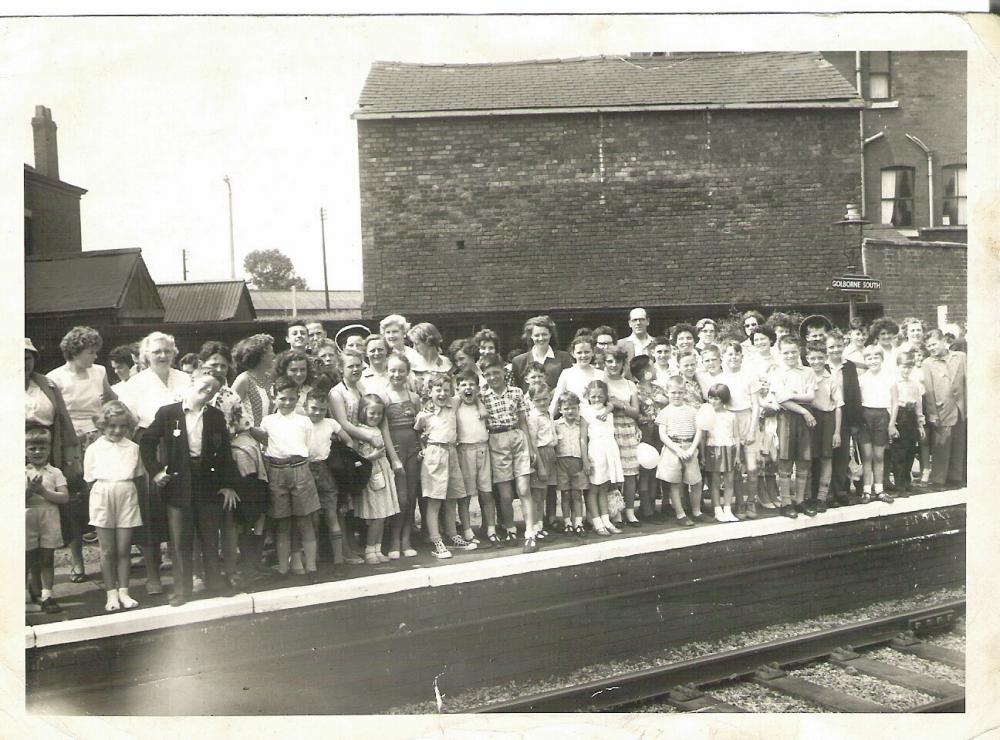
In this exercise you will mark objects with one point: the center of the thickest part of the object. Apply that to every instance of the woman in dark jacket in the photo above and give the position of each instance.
(540, 334)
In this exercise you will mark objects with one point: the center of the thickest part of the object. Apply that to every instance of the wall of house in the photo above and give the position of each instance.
(919, 277)
(468, 216)
(930, 90)
(55, 218)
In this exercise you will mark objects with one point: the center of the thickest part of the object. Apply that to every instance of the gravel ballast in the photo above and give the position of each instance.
(918, 665)
(864, 687)
(756, 698)
(512, 690)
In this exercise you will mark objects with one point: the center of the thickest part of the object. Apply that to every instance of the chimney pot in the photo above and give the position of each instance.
(46, 149)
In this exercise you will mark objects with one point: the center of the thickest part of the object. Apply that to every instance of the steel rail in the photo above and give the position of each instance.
(652, 683)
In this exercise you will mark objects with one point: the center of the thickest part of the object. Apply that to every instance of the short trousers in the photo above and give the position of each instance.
(570, 475)
(114, 504)
(674, 470)
(794, 437)
(544, 474)
(875, 427)
(720, 459)
(509, 457)
(326, 486)
(42, 528)
(293, 491)
(441, 474)
(474, 460)
(822, 434)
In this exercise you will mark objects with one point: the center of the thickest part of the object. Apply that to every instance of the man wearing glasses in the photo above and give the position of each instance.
(638, 342)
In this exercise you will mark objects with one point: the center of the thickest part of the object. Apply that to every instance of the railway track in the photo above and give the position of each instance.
(684, 685)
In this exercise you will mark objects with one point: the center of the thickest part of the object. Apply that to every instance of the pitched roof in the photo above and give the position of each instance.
(739, 80)
(209, 300)
(86, 281)
(304, 300)
(31, 172)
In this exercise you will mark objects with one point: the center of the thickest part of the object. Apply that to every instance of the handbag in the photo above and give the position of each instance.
(350, 469)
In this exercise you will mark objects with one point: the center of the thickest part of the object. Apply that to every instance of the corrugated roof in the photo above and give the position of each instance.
(88, 281)
(305, 300)
(209, 300)
(724, 79)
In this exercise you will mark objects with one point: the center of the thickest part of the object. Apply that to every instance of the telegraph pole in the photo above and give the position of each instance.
(184, 263)
(232, 248)
(322, 231)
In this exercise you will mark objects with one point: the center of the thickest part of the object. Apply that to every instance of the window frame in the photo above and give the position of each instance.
(896, 198)
(960, 199)
(880, 73)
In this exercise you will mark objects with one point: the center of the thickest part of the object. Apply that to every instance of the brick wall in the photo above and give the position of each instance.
(534, 213)
(918, 278)
(930, 87)
(55, 218)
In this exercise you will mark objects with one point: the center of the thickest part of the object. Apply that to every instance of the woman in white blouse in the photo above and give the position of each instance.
(84, 387)
(158, 385)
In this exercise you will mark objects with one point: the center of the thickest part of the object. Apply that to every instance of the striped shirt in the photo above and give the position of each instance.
(678, 421)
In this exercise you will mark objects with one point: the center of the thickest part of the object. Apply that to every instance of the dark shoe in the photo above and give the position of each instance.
(885, 498)
(789, 511)
(154, 588)
(580, 530)
(312, 577)
(699, 518)
(530, 545)
(634, 524)
(808, 510)
(49, 606)
(177, 600)
(76, 576)
(685, 522)
(866, 498)
(89, 537)
(494, 540)
(821, 507)
(557, 526)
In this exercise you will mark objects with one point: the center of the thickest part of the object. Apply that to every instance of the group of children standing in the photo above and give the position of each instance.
(586, 440)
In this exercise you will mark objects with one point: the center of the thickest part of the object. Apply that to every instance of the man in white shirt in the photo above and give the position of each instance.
(638, 342)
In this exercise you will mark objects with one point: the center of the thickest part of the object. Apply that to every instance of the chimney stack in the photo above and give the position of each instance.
(46, 151)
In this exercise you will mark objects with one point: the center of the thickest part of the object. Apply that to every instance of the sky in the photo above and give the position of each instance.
(154, 112)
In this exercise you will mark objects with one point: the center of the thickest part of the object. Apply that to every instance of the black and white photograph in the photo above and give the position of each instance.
(577, 369)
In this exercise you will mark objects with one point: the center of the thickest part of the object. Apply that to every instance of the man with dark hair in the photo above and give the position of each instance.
(945, 401)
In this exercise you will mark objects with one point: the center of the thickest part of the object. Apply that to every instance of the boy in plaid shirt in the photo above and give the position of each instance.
(511, 450)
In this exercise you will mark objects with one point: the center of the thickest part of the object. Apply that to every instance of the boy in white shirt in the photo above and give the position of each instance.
(291, 485)
(794, 388)
(45, 488)
(324, 430)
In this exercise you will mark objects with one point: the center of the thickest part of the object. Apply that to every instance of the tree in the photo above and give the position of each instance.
(271, 269)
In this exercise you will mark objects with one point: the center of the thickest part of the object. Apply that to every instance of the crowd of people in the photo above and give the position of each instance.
(220, 451)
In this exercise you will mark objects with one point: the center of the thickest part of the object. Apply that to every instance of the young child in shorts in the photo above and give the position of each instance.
(511, 453)
(879, 404)
(324, 430)
(112, 464)
(44, 489)
(543, 437)
(474, 454)
(909, 422)
(827, 408)
(679, 457)
(794, 388)
(292, 489)
(572, 465)
(441, 479)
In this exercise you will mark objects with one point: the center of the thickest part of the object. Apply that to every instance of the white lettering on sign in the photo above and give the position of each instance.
(853, 283)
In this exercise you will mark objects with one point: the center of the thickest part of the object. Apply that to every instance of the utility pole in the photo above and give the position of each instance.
(322, 231)
(184, 263)
(232, 248)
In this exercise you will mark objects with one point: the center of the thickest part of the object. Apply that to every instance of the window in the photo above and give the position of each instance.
(954, 210)
(879, 87)
(897, 196)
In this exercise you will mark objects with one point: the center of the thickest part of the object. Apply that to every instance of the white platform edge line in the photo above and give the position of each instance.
(29, 637)
(263, 602)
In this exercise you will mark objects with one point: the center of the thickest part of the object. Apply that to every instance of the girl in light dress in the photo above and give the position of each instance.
(721, 452)
(624, 400)
(378, 501)
(602, 453)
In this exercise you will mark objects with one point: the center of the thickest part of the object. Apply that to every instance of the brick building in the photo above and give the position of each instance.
(582, 187)
(915, 159)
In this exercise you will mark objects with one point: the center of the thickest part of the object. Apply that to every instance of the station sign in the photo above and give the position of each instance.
(856, 282)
